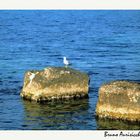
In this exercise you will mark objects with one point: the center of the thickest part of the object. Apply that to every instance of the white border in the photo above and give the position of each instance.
(64, 135)
(66, 4)
(69, 4)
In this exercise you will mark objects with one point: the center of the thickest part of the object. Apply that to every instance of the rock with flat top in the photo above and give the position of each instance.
(54, 83)
(119, 100)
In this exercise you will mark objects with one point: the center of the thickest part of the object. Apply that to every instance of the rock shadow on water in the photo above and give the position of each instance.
(66, 115)
(116, 124)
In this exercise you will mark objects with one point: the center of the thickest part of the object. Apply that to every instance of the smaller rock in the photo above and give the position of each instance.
(119, 100)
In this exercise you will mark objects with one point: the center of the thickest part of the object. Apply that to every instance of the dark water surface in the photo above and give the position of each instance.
(105, 44)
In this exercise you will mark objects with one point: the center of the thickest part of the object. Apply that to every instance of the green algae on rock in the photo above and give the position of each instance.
(119, 100)
(116, 124)
(54, 83)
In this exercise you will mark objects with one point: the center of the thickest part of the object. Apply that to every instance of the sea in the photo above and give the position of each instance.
(103, 43)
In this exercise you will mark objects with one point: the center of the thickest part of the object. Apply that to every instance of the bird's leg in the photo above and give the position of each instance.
(29, 83)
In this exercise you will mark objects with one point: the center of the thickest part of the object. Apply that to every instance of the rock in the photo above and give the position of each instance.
(113, 124)
(119, 100)
(54, 83)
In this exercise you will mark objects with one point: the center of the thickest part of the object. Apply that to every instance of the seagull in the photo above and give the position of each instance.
(65, 61)
(32, 76)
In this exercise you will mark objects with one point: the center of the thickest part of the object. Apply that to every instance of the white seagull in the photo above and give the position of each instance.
(32, 76)
(65, 61)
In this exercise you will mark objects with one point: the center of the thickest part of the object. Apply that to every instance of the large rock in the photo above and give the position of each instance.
(113, 124)
(119, 100)
(55, 83)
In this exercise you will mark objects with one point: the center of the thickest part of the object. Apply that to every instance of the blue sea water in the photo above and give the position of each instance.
(104, 44)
